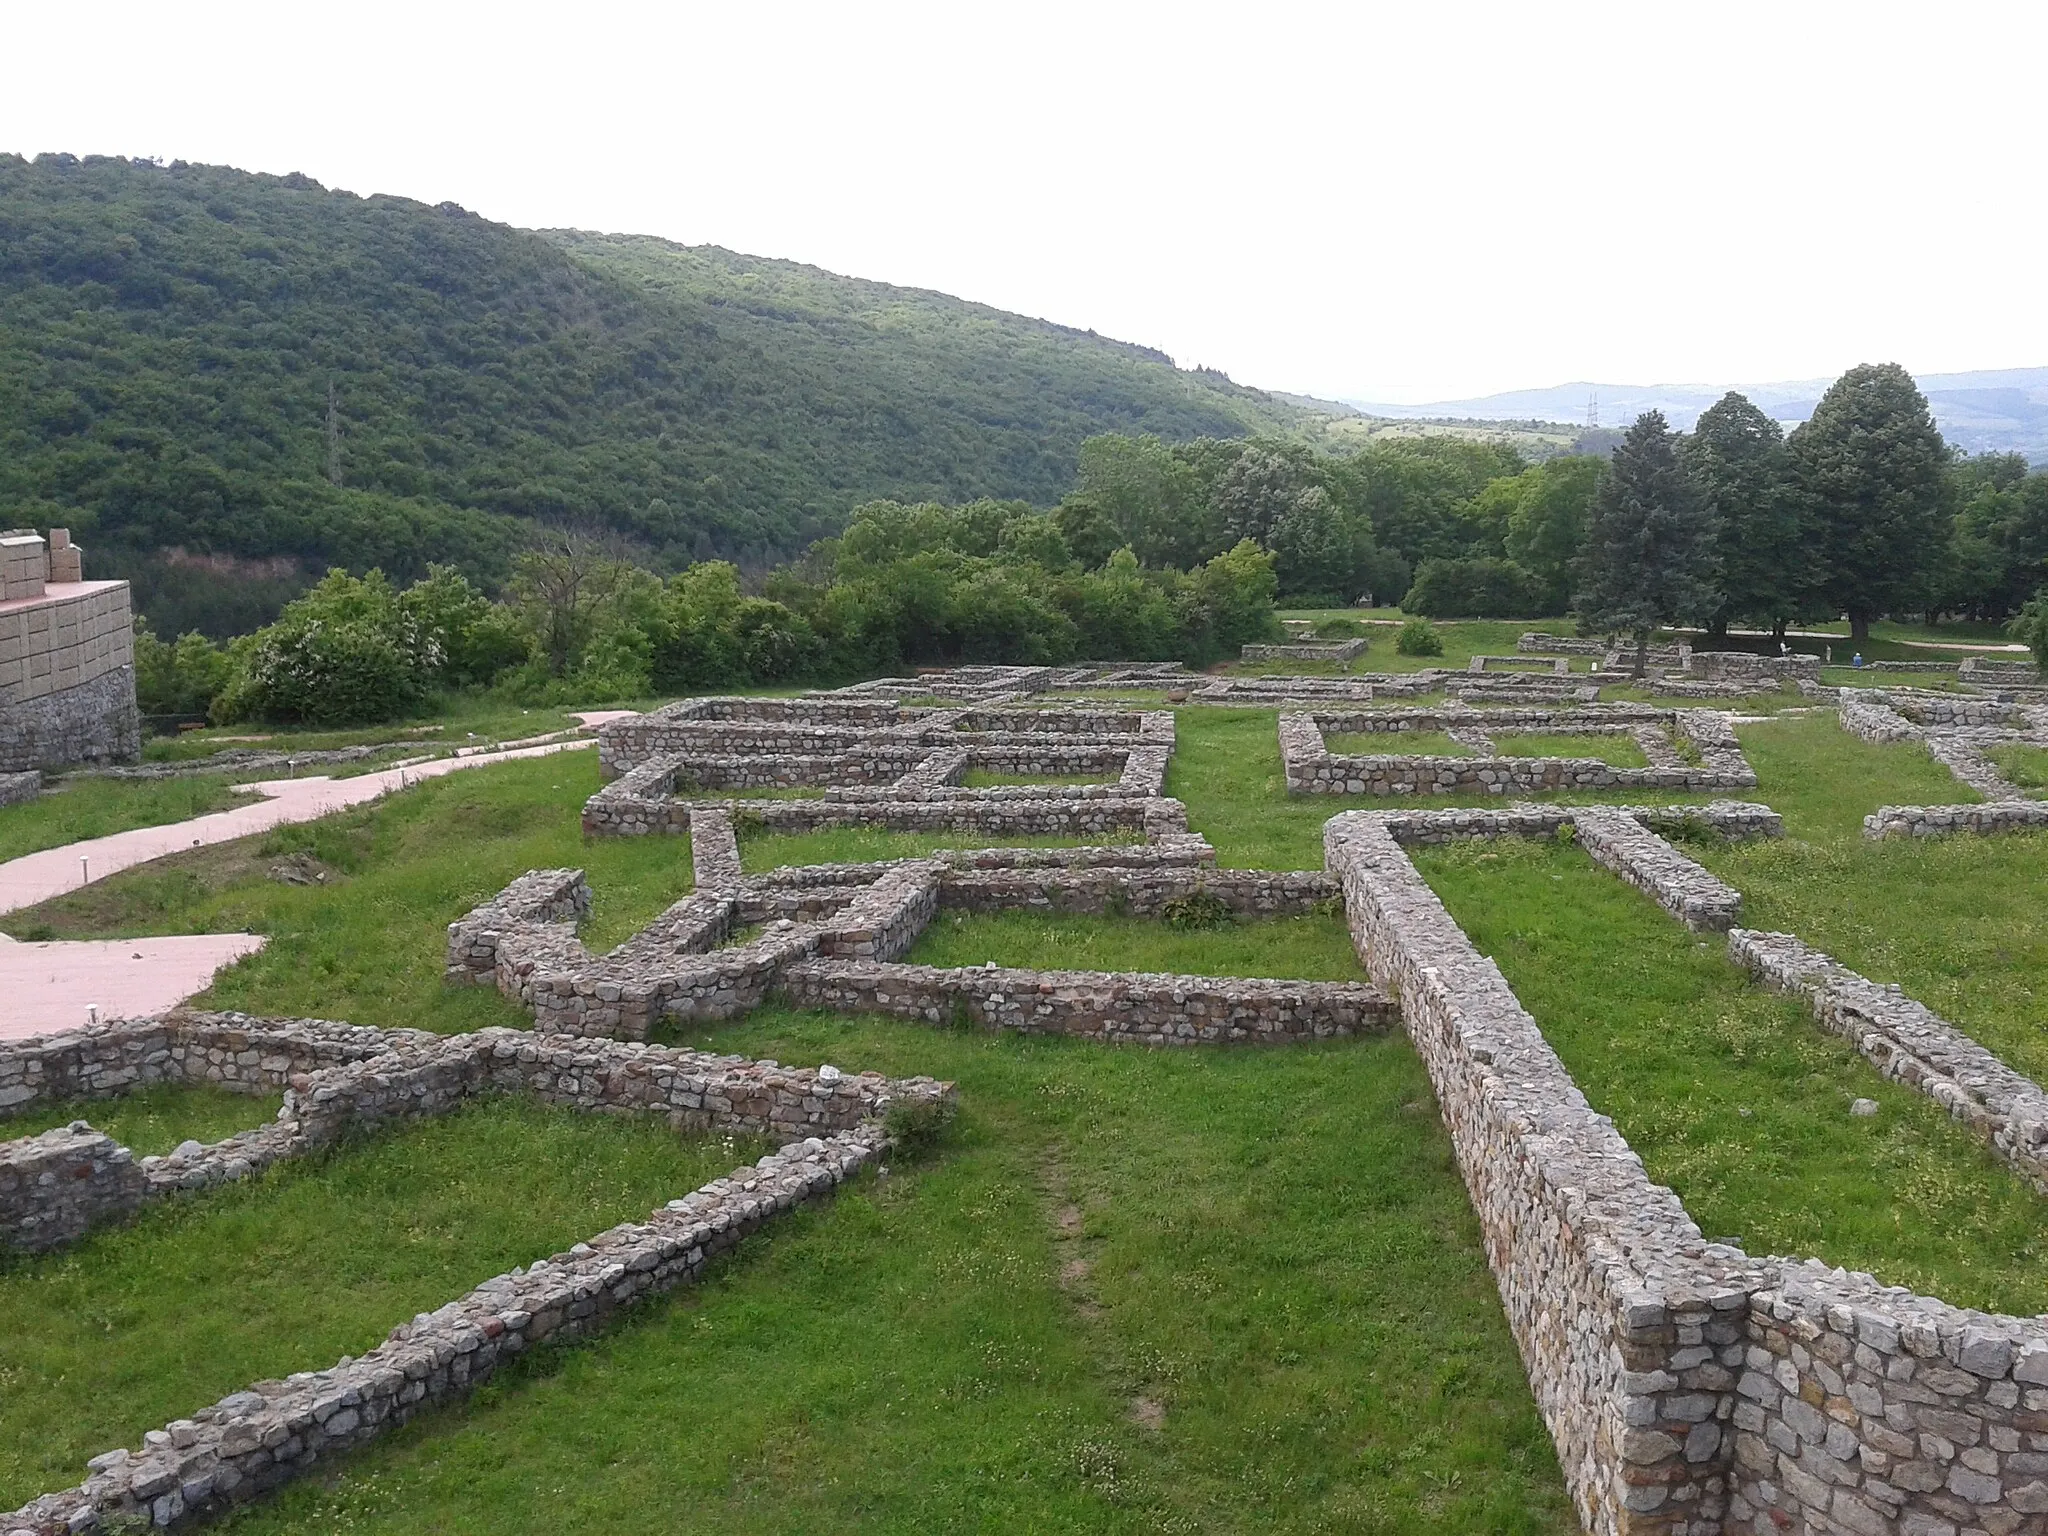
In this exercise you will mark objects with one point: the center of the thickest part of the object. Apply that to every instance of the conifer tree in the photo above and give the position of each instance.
(1738, 463)
(1871, 471)
(1648, 558)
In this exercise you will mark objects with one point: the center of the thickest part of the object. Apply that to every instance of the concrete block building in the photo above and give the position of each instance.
(67, 659)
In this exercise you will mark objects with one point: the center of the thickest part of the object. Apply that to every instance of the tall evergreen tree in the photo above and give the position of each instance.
(1648, 558)
(1737, 459)
(1871, 469)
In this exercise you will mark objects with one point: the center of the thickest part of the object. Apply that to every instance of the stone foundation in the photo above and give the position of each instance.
(1312, 769)
(20, 788)
(95, 722)
(57, 1186)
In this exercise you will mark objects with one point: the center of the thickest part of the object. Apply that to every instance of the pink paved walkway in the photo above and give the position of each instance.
(38, 876)
(47, 987)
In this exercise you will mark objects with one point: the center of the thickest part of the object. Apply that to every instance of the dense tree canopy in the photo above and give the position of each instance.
(176, 342)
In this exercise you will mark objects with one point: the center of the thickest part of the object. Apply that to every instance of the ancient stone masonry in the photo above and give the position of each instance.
(1692, 1388)
(1332, 650)
(1689, 893)
(1312, 769)
(1630, 1324)
(831, 932)
(1941, 820)
(57, 1186)
(1910, 1044)
(1116, 1007)
(1955, 729)
(67, 659)
(881, 765)
(337, 1077)
(19, 788)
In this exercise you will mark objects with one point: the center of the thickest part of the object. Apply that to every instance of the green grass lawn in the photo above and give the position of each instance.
(293, 1269)
(982, 778)
(1733, 1096)
(1173, 1290)
(2027, 767)
(152, 1121)
(1135, 1291)
(78, 809)
(452, 726)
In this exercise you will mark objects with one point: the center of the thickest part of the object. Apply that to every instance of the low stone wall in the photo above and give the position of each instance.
(56, 1186)
(1536, 643)
(227, 1050)
(1617, 841)
(253, 1441)
(18, 788)
(93, 722)
(1559, 666)
(1312, 769)
(1715, 666)
(1117, 1007)
(1137, 892)
(1970, 766)
(1942, 820)
(1940, 709)
(1335, 650)
(1910, 1044)
(1630, 1325)
(1728, 818)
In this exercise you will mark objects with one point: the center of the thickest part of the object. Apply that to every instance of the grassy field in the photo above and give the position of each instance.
(151, 1121)
(1178, 1291)
(299, 1266)
(76, 810)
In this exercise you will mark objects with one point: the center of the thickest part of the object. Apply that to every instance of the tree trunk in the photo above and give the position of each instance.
(1778, 628)
(1717, 628)
(1859, 627)
(1642, 665)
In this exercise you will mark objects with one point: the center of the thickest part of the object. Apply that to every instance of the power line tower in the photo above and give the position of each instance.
(1593, 411)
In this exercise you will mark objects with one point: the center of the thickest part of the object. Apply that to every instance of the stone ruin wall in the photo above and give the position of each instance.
(1312, 769)
(1689, 1387)
(195, 1469)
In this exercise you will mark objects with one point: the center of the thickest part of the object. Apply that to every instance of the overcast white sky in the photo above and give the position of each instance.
(1394, 202)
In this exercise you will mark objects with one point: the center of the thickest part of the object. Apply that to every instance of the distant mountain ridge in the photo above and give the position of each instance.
(224, 382)
(1991, 410)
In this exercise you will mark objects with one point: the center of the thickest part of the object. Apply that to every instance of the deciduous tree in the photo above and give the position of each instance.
(1870, 468)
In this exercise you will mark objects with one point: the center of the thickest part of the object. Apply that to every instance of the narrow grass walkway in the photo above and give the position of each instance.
(1134, 1291)
(76, 810)
(1955, 921)
(311, 1261)
(151, 1121)
(1733, 1096)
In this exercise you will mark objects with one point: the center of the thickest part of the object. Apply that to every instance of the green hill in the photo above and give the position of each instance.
(224, 381)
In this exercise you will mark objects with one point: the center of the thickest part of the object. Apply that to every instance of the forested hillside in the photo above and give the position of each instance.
(266, 377)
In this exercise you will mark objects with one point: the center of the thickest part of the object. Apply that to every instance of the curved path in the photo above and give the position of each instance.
(55, 985)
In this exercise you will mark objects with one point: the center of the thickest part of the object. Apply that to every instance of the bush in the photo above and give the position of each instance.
(1198, 909)
(1339, 629)
(1476, 588)
(347, 653)
(2030, 628)
(183, 677)
(1418, 637)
